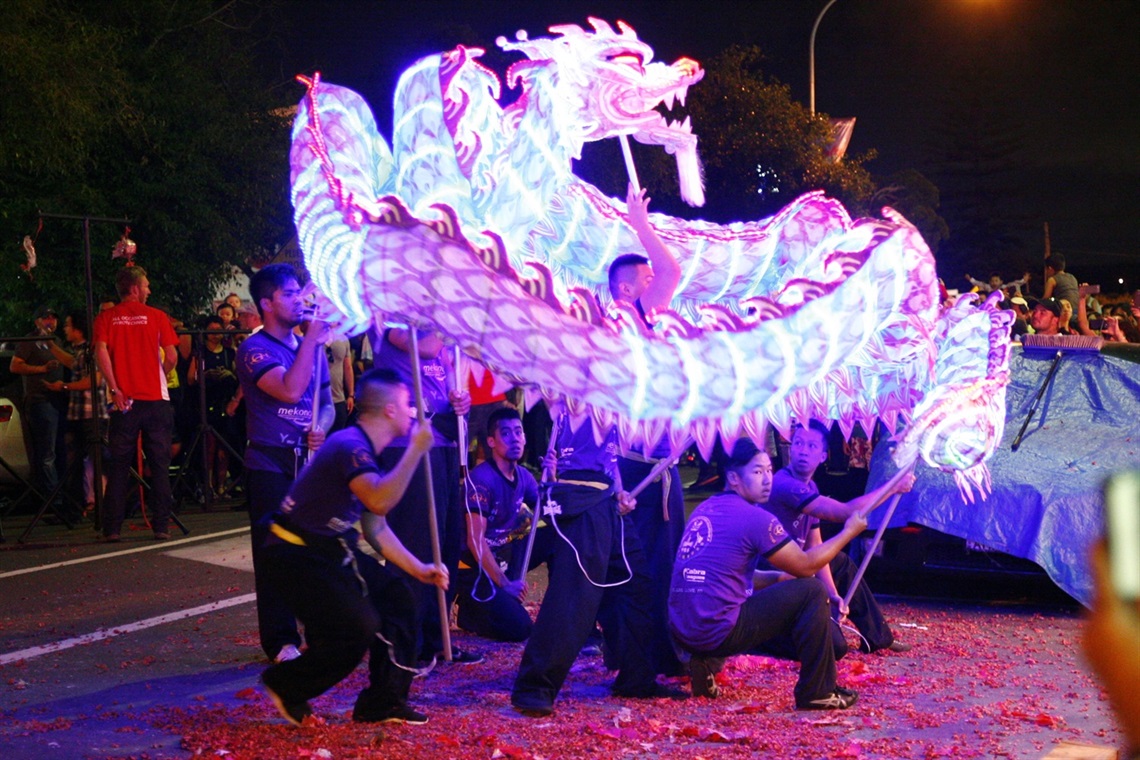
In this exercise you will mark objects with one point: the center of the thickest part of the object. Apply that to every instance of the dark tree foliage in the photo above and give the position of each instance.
(760, 149)
(152, 110)
(975, 154)
(916, 198)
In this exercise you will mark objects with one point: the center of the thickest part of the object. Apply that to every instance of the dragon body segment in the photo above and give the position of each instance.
(473, 224)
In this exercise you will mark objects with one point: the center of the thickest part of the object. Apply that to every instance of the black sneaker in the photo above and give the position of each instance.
(398, 714)
(702, 672)
(656, 691)
(294, 712)
(463, 657)
(840, 699)
(533, 710)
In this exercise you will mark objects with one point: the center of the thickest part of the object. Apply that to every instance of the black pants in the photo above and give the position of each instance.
(865, 613)
(276, 623)
(488, 611)
(155, 420)
(343, 607)
(592, 547)
(483, 607)
(81, 446)
(659, 520)
(409, 521)
(791, 620)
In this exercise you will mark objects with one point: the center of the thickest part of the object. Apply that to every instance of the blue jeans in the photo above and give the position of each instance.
(47, 444)
(155, 420)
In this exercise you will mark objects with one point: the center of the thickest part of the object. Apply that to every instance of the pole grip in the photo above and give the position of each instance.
(630, 167)
(538, 507)
(871, 551)
(433, 524)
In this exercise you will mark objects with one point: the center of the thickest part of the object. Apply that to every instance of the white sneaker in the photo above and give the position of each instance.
(288, 652)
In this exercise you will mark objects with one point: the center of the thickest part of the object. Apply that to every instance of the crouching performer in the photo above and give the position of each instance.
(501, 500)
(348, 602)
(719, 605)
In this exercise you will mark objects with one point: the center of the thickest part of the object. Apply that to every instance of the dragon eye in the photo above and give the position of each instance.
(629, 59)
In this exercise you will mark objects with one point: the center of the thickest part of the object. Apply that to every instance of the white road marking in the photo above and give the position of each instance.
(106, 633)
(156, 546)
(234, 553)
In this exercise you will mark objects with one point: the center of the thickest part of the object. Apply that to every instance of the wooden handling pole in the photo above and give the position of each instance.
(659, 468)
(459, 383)
(433, 524)
(871, 550)
(538, 507)
(630, 168)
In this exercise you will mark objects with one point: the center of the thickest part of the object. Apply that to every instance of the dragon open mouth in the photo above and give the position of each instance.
(665, 121)
(674, 113)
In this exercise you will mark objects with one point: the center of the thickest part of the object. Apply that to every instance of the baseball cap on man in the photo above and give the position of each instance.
(45, 311)
(1049, 304)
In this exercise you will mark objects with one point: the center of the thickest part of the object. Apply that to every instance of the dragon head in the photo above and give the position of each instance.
(603, 84)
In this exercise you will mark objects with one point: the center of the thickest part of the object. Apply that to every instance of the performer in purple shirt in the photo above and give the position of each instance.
(502, 498)
(275, 369)
(410, 519)
(588, 557)
(648, 283)
(796, 501)
(348, 602)
(719, 605)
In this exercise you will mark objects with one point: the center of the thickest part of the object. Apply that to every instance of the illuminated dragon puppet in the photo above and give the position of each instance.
(474, 226)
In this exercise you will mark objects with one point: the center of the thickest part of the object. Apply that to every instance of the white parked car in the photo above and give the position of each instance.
(13, 446)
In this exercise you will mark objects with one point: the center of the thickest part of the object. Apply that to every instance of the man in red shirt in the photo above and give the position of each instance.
(135, 347)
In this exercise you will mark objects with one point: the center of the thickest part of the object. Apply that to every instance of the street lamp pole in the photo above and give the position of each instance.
(811, 55)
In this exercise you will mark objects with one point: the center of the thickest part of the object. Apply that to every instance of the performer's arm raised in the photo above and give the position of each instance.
(826, 508)
(379, 493)
(666, 271)
(289, 385)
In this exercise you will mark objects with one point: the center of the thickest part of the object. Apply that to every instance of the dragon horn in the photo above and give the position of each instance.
(601, 26)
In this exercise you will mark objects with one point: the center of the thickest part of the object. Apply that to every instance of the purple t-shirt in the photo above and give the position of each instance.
(433, 375)
(712, 575)
(577, 449)
(498, 499)
(320, 500)
(789, 497)
(269, 422)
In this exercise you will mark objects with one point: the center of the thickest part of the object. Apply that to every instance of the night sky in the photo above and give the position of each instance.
(1064, 71)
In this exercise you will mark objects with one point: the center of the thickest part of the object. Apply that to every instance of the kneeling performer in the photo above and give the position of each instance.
(348, 602)
(719, 605)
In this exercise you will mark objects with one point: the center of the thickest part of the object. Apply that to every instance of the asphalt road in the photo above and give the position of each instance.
(91, 629)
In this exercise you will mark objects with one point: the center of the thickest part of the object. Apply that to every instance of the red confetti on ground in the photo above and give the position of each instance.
(966, 690)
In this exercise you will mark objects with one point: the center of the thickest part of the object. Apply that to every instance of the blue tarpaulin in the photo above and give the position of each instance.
(1046, 501)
